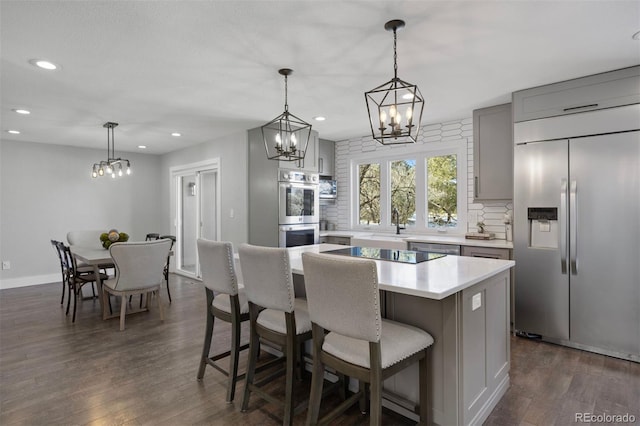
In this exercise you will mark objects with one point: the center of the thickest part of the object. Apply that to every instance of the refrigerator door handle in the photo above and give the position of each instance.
(573, 229)
(563, 225)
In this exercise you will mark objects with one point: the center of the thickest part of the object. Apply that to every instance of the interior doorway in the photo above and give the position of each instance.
(195, 201)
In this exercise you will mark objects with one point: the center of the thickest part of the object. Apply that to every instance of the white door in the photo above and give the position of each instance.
(196, 206)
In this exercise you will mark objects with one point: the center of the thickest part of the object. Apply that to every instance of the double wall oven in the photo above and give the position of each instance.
(298, 204)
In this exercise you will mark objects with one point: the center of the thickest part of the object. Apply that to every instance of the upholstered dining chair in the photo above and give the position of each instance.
(226, 301)
(276, 316)
(139, 270)
(344, 300)
(75, 277)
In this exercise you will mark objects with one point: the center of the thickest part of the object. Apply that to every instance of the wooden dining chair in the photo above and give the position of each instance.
(75, 277)
(350, 336)
(54, 244)
(139, 270)
(227, 302)
(166, 266)
(276, 316)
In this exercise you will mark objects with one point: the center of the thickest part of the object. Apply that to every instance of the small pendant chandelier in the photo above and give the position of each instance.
(286, 137)
(112, 165)
(395, 107)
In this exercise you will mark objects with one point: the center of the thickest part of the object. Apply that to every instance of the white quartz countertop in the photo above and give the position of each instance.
(434, 279)
(459, 240)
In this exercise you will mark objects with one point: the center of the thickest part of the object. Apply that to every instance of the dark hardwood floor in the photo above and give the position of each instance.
(53, 372)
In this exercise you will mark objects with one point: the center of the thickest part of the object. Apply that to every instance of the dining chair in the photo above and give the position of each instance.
(350, 336)
(226, 301)
(75, 277)
(152, 236)
(54, 244)
(139, 267)
(276, 316)
(166, 266)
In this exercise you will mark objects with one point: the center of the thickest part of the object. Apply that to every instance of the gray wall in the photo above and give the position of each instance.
(232, 153)
(47, 190)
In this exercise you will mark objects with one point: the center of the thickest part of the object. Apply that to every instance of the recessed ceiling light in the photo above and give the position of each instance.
(407, 96)
(176, 134)
(636, 36)
(319, 118)
(21, 111)
(13, 132)
(142, 146)
(46, 65)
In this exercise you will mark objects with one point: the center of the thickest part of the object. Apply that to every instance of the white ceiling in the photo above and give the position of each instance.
(209, 68)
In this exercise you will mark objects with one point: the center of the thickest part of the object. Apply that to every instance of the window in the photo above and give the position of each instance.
(369, 194)
(442, 191)
(424, 191)
(403, 192)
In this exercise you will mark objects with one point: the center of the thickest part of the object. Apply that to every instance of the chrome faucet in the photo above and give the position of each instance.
(396, 213)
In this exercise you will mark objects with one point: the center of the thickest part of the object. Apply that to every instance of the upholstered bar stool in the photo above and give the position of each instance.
(276, 316)
(227, 302)
(343, 299)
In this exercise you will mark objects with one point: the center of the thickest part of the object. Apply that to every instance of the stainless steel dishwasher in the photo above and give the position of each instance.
(435, 248)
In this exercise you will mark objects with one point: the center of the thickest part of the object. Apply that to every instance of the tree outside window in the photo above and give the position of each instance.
(403, 191)
(369, 194)
(442, 191)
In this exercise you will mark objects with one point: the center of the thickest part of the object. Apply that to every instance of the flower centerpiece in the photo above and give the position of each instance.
(113, 236)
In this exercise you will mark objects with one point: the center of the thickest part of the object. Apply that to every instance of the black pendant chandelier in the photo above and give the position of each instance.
(286, 137)
(112, 165)
(395, 107)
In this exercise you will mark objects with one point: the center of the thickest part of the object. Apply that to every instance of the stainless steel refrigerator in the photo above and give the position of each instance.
(577, 232)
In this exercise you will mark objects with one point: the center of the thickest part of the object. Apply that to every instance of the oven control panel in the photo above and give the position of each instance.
(298, 177)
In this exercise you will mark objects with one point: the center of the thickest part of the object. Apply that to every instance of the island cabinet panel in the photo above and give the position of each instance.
(469, 360)
(485, 351)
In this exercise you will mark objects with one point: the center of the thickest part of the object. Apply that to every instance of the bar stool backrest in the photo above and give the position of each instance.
(217, 266)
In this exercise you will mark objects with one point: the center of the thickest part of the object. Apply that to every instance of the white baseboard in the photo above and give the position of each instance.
(28, 281)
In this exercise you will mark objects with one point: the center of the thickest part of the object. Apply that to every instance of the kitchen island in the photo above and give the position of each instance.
(463, 302)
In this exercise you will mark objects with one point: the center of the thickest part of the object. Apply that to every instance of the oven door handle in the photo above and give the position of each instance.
(299, 185)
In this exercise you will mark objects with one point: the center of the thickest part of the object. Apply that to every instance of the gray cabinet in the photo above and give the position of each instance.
(599, 91)
(493, 153)
(326, 159)
(487, 252)
(310, 162)
(337, 239)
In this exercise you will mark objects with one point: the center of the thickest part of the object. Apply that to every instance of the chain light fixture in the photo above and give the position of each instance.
(286, 137)
(395, 107)
(112, 165)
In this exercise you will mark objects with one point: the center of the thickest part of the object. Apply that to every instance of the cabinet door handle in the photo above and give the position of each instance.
(321, 165)
(580, 107)
(573, 227)
(563, 225)
(475, 186)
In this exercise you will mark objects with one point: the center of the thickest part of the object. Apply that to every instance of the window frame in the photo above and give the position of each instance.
(419, 154)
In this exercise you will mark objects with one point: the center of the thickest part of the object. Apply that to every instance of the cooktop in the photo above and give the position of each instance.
(403, 256)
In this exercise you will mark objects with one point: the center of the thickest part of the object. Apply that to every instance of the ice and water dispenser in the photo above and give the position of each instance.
(543, 227)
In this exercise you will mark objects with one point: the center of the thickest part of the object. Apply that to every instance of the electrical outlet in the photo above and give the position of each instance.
(476, 301)
(6, 264)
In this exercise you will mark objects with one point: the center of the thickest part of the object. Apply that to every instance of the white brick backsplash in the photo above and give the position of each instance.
(491, 213)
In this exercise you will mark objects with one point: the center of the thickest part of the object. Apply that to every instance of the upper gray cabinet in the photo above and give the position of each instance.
(605, 90)
(493, 153)
(326, 159)
(310, 162)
